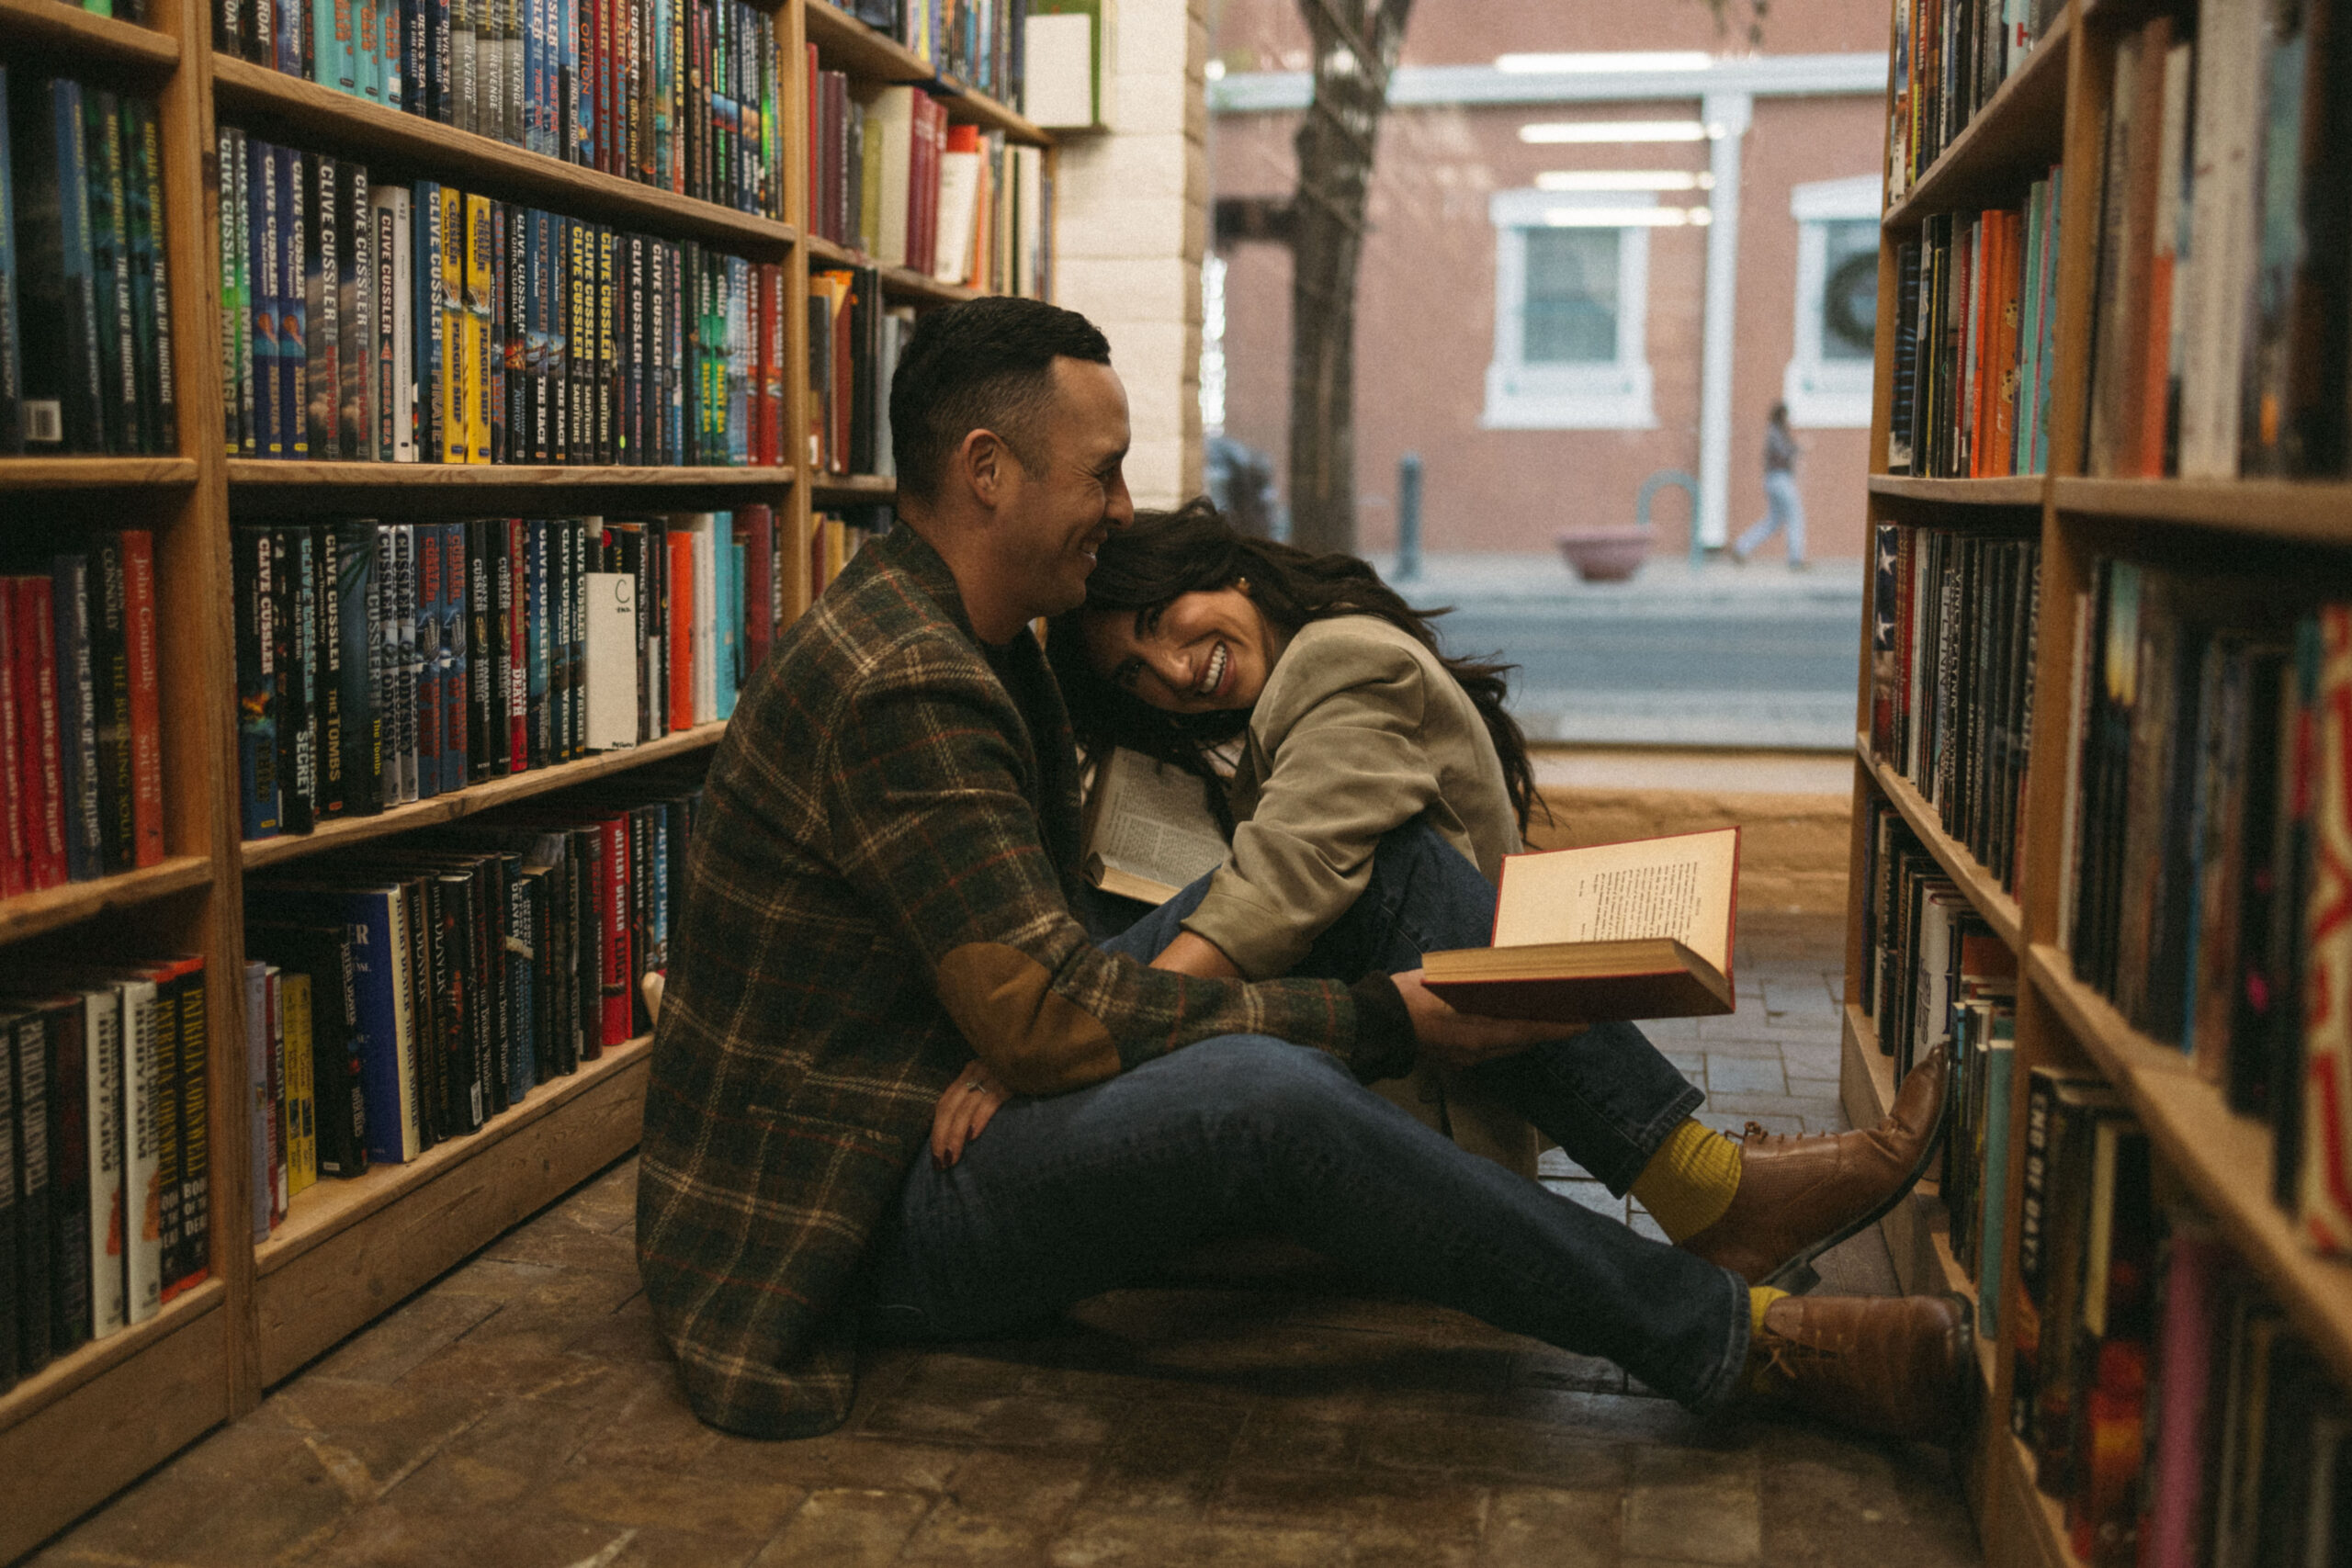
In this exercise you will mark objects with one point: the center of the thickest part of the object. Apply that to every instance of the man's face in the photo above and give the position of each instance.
(1052, 519)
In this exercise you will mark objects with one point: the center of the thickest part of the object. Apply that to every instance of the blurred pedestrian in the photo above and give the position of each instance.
(1784, 508)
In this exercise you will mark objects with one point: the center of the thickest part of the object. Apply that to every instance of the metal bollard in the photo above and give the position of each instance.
(1408, 517)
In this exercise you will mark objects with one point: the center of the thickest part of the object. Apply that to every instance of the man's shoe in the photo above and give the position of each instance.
(1897, 1366)
(1800, 1196)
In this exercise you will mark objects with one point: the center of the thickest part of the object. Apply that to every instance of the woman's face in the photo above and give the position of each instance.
(1202, 653)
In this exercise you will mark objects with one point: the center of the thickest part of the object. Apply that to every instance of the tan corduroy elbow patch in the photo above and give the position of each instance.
(1037, 1039)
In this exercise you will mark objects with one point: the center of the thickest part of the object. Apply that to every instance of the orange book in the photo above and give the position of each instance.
(1985, 292)
(681, 643)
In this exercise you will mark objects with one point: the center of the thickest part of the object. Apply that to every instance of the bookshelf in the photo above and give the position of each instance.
(94, 1420)
(2054, 109)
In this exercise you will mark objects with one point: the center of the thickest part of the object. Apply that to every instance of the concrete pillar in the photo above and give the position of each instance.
(1728, 116)
(1132, 224)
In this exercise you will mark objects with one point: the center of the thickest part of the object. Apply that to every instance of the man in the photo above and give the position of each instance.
(1783, 507)
(881, 889)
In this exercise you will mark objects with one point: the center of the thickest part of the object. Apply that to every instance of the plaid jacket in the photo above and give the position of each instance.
(879, 888)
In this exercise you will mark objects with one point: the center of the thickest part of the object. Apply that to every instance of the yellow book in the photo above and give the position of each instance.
(477, 329)
(302, 1095)
(458, 367)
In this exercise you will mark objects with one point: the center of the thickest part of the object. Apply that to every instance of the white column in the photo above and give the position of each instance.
(1727, 115)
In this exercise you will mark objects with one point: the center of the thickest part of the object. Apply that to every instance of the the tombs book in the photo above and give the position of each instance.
(1639, 930)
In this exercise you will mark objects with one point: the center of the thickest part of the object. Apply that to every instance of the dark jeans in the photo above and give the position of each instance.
(1065, 1197)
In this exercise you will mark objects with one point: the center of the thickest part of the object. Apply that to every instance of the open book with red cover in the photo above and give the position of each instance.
(1635, 929)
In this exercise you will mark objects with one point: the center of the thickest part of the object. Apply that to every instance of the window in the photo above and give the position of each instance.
(1828, 383)
(1571, 288)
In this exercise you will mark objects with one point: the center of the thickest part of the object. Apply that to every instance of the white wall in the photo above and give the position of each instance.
(1132, 224)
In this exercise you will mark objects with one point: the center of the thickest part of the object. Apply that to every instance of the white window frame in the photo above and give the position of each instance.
(1612, 396)
(1825, 394)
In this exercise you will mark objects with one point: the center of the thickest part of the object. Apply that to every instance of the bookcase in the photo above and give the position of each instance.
(2054, 107)
(93, 1420)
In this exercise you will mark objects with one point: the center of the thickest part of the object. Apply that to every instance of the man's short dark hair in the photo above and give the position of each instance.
(986, 363)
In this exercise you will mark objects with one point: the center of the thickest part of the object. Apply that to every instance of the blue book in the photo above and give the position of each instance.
(523, 893)
(293, 309)
(360, 666)
(263, 247)
(416, 90)
(426, 317)
(77, 717)
(251, 570)
(391, 64)
(57, 352)
(453, 656)
(381, 950)
(1997, 1061)
(432, 579)
(534, 640)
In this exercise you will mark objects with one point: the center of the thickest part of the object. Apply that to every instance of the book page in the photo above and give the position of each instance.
(1151, 820)
(1679, 887)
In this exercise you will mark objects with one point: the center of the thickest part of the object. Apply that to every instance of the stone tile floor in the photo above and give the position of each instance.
(522, 1412)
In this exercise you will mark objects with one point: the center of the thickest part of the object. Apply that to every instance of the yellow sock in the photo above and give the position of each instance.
(1690, 1181)
(1760, 1300)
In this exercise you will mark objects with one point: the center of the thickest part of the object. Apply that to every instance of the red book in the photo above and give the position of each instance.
(770, 427)
(608, 149)
(41, 764)
(13, 866)
(809, 135)
(681, 637)
(755, 529)
(613, 910)
(138, 550)
(518, 648)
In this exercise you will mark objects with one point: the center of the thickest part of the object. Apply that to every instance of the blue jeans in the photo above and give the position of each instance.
(1065, 1197)
(1783, 508)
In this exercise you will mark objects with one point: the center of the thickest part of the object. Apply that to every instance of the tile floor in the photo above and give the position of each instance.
(522, 1412)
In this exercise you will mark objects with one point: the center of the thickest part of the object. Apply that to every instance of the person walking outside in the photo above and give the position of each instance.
(1783, 507)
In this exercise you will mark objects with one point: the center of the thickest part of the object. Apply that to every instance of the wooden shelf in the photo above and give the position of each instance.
(2225, 1159)
(898, 282)
(349, 1250)
(1999, 910)
(2031, 1511)
(2007, 147)
(258, 98)
(2019, 491)
(852, 488)
(29, 914)
(2307, 512)
(93, 473)
(55, 26)
(436, 486)
(111, 1411)
(342, 832)
(844, 43)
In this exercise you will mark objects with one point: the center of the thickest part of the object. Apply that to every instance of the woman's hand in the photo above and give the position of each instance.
(1466, 1039)
(966, 1107)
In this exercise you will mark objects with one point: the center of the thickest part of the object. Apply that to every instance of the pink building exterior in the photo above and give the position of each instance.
(1525, 427)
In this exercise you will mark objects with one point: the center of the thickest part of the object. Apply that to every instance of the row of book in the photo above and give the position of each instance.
(979, 42)
(395, 322)
(2164, 1399)
(854, 340)
(890, 177)
(85, 335)
(2222, 332)
(1951, 57)
(402, 998)
(1954, 616)
(837, 535)
(379, 664)
(81, 734)
(104, 1184)
(1975, 325)
(680, 95)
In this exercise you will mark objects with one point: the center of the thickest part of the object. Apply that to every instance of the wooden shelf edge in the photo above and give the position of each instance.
(50, 24)
(342, 832)
(869, 53)
(93, 473)
(898, 282)
(2225, 1158)
(1999, 910)
(330, 1208)
(854, 487)
(2014, 490)
(2042, 1516)
(29, 914)
(257, 473)
(244, 88)
(90, 1363)
(2310, 510)
(2042, 76)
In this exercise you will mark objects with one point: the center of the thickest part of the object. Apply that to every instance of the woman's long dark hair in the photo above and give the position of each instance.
(1164, 554)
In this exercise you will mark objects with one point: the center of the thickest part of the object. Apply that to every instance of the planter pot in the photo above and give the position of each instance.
(1605, 555)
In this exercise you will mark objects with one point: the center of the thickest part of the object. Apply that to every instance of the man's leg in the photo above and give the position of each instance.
(1066, 1197)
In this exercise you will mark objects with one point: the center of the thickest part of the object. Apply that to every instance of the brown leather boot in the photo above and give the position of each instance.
(1799, 1196)
(1898, 1366)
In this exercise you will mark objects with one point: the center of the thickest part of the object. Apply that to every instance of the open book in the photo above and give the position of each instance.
(1638, 929)
(1149, 831)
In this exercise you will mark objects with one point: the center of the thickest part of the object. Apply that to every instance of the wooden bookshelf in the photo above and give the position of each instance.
(98, 1418)
(899, 283)
(1977, 885)
(2301, 511)
(2017, 491)
(277, 105)
(852, 489)
(2009, 144)
(342, 833)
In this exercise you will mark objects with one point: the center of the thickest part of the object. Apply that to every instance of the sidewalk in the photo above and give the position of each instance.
(1664, 583)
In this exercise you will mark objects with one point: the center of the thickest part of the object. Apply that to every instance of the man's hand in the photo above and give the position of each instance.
(1465, 1039)
(1195, 955)
(966, 1107)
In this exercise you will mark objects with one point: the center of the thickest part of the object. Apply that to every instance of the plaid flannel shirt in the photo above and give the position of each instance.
(879, 888)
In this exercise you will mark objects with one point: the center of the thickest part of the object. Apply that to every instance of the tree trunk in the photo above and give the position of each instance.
(1355, 51)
